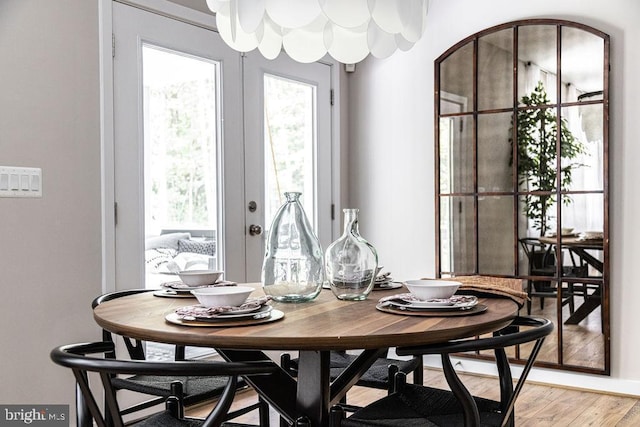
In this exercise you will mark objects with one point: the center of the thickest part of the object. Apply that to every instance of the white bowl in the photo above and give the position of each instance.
(199, 277)
(566, 231)
(222, 295)
(426, 289)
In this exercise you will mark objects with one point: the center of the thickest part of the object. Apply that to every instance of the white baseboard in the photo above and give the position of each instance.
(552, 377)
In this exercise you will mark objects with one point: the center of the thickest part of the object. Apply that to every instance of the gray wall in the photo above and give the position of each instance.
(50, 250)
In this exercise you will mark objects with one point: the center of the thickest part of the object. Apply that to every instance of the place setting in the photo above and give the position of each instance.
(191, 280)
(384, 282)
(590, 235)
(431, 297)
(225, 306)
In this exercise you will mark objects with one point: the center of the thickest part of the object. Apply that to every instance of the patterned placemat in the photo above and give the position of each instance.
(477, 309)
(176, 320)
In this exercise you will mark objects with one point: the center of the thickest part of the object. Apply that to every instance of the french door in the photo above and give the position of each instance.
(288, 132)
(205, 140)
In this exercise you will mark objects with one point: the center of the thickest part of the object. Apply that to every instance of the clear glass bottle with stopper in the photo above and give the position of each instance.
(351, 263)
(292, 270)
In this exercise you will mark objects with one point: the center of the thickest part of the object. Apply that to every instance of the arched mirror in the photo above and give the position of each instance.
(512, 201)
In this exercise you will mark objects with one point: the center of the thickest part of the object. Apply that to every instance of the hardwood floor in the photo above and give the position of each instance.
(583, 344)
(537, 405)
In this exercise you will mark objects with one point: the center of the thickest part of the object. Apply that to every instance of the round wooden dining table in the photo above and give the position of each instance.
(312, 329)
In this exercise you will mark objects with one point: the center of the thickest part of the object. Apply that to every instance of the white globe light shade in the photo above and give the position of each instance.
(381, 44)
(386, 13)
(306, 44)
(348, 30)
(346, 45)
(250, 14)
(271, 44)
(293, 14)
(346, 13)
(231, 33)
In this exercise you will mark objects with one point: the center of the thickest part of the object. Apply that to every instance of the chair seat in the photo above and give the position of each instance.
(377, 376)
(421, 406)
(199, 386)
(165, 419)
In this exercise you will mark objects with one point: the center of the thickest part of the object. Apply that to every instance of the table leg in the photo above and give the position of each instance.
(590, 303)
(589, 259)
(313, 395)
(278, 389)
(316, 395)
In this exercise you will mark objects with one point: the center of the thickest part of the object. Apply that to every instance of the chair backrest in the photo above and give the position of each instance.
(540, 255)
(134, 347)
(76, 357)
(523, 329)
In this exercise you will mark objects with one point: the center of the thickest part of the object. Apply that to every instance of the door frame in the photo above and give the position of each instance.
(107, 143)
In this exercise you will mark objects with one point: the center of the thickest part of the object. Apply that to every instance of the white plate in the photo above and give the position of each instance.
(255, 320)
(251, 313)
(455, 302)
(185, 289)
(387, 286)
(170, 293)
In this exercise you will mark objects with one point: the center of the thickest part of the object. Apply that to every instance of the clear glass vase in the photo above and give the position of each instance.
(292, 270)
(351, 263)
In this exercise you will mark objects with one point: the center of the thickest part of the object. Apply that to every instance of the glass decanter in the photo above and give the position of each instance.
(292, 270)
(351, 263)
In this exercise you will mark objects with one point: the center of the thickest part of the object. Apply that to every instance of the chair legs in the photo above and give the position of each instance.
(176, 407)
(263, 412)
(538, 289)
(418, 373)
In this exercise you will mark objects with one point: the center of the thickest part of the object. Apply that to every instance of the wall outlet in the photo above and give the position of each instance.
(20, 182)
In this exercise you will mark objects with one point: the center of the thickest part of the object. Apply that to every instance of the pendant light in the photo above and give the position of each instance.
(348, 30)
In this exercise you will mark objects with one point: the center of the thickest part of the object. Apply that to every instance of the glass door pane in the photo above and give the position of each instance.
(289, 140)
(180, 159)
(180, 169)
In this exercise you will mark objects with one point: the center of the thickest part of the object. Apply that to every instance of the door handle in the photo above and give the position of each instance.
(255, 230)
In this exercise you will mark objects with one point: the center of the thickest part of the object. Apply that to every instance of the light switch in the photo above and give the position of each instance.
(14, 182)
(35, 182)
(24, 182)
(20, 182)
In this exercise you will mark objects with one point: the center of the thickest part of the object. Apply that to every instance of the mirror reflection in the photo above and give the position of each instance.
(522, 160)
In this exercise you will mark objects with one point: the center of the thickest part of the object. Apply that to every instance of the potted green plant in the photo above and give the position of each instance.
(537, 130)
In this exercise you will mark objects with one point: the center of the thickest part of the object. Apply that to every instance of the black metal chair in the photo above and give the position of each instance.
(189, 390)
(76, 357)
(414, 405)
(542, 262)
